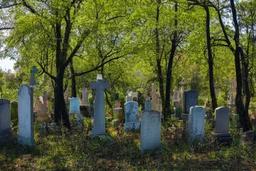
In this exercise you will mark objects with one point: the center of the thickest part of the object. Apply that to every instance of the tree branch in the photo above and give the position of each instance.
(43, 68)
(98, 66)
(78, 45)
(6, 28)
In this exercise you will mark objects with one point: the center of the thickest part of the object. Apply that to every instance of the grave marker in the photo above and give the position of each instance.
(25, 116)
(99, 126)
(131, 116)
(5, 121)
(150, 137)
(196, 123)
(190, 99)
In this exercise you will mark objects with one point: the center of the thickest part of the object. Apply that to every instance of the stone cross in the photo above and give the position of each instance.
(32, 76)
(99, 108)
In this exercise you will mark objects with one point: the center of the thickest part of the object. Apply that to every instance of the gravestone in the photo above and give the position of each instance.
(42, 108)
(84, 97)
(190, 99)
(99, 126)
(148, 105)
(32, 76)
(74, 107)
(25, 116)
(154, 97)
(150, 134)
(128, 97)
(5, 121)
(177, 102)
(131, 116)
(196, 124)
(118, 113)
(222, 126)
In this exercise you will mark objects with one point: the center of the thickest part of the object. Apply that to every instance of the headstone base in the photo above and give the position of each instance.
(115, 123)
(26, 141)
(5, 136)
(86, 111)
(249, 137)
(130, 126)
(223, 139)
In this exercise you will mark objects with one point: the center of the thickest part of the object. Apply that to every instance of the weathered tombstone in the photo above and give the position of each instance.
(131, 116)
(84, 97)
(75, 108)
(150, 137)
(196, 124)
(222, 126)
(128, 97)
(99, 126)
(25, 116)
(190, 99)
(134, 96)
(177, 101)
(32, 76)
(118, 113)
(5, 121)
(148, 105)
(154, 97)
(42, 109)
(182, 84)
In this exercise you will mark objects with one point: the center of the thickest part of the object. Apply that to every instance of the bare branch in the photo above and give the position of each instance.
(31, 9)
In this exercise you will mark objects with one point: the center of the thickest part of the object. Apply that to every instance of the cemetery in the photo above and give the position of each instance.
(128, 85)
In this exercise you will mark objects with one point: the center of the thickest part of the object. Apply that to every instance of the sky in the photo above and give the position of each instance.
(6, 64)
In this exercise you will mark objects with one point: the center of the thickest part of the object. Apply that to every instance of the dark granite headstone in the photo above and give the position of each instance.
(190, 99)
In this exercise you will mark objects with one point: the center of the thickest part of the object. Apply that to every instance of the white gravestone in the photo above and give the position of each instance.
(196, 123)
(131, 116)
(5, 120)
(99, 126)
(150, 132)
(25, 116)
(75, 108)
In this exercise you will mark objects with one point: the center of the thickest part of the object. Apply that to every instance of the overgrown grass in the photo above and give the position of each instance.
(120, 151)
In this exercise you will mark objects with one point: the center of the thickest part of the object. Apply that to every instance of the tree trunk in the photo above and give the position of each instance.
(241, 108)
(210, 60)
(59, 103)
(158, 59)
(169, 67)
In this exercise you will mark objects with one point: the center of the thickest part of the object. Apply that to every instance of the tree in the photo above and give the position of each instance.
(240, 60)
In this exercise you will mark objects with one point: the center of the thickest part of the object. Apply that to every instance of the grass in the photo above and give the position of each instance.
(120, 151)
